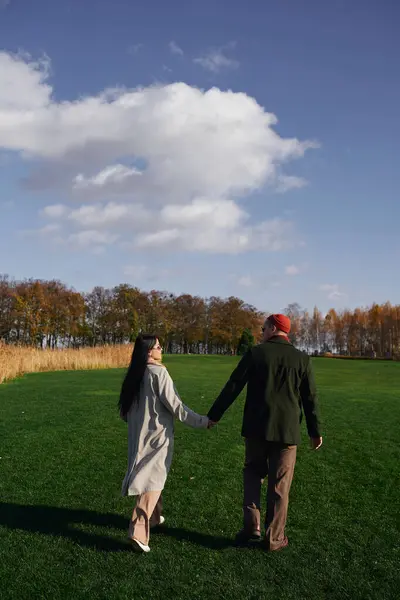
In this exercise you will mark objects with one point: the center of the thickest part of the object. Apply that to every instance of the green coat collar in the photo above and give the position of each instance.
(278, 339)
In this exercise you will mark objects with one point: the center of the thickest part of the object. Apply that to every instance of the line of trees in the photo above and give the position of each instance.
(373, 331)
(50, 314)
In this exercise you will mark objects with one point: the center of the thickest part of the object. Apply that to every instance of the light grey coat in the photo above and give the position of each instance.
(151, 432)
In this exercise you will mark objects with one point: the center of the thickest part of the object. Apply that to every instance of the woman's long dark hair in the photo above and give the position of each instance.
(134, 376)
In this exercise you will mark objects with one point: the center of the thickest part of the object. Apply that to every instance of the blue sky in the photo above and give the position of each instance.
(167, 187)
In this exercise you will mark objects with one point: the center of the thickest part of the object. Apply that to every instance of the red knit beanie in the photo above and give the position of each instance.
(281, 322)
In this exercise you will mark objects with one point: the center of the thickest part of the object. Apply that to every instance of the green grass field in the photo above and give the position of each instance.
(63, 522)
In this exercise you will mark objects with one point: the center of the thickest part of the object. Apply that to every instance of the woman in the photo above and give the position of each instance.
(149, 403)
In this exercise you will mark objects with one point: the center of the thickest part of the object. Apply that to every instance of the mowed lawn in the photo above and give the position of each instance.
(63, 522)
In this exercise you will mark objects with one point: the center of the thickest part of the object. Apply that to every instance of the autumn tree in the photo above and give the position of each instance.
(50, 314)
(7, 303)
(293, 311)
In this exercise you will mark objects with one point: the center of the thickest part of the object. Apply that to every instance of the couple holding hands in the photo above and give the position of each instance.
(280, 387)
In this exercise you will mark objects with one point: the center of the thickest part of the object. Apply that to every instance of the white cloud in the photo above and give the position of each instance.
(273, 235)
(175, 49)
(333, 291)
(215, 59)
(55, 211)
(48, 231)
(180, 160)
(50, 228)
(245, 281)
(292, 270)
(204, 212)
(22, 91)
(94, 216)
(110, 215)
(99, 216)
(113, 178)
(91, 237)
(161, 238)
(290, 182)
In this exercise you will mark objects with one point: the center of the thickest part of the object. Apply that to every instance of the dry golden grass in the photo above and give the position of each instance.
(16, 361)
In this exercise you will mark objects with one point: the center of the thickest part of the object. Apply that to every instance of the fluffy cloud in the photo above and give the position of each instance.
(292, 270)
(175, 49)
(172, 164)
(333, 291)
(274, 235)
(290, 182)
(48, 232)
(122, 216)
(245, 281)
(114, 179)
(91, 237)
(22, 88)
(215, 60)
(204, 212)
(55, 211)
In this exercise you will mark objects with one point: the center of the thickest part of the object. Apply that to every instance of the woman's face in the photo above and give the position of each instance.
(156, 352)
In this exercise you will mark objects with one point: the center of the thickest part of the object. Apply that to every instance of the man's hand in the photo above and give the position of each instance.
(211, 424)
(316, 443)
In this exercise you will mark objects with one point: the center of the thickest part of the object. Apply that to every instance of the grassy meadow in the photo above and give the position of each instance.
(63, 522)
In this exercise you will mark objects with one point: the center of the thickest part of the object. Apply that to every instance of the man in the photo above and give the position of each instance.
(280, 384)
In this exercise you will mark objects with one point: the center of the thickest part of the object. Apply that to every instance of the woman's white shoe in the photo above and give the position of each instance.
(139, 546)
(160, 522)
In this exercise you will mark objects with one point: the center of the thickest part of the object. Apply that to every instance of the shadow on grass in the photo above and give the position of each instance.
(64, 522)
(194, 537)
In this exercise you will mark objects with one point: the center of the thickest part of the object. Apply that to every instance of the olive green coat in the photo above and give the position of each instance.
(280, 386)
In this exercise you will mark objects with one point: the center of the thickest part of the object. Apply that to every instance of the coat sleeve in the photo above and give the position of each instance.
(232, 389)
(171, 400)
(309, 400)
